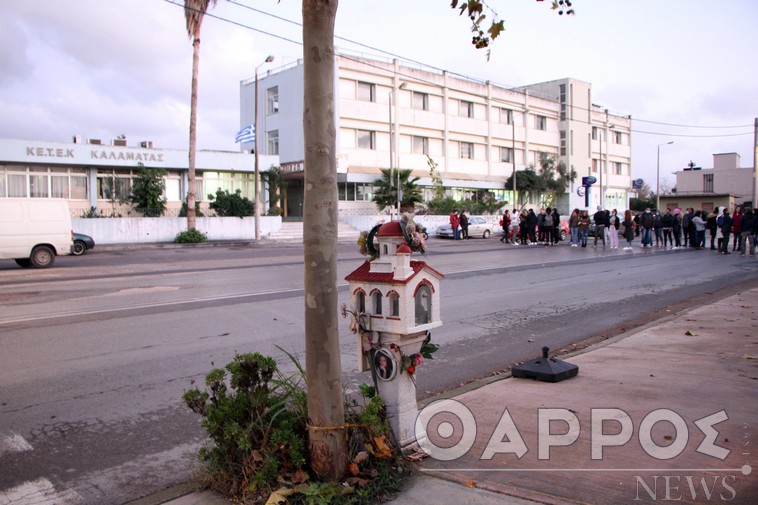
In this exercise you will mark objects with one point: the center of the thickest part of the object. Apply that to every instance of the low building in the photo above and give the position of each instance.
(727, 184)
(95, 177)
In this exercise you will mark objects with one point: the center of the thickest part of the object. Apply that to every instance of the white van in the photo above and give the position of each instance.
(34, 231)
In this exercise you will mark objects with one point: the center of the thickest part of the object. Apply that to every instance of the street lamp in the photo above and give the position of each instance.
(603, 167)
(269, 59)
(658, 177)
(392, 131)
(513, 153)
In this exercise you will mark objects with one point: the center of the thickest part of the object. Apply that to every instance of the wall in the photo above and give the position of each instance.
(164, 229)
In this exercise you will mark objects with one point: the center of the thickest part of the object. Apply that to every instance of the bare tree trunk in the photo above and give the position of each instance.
(328, 448)
(193, 135)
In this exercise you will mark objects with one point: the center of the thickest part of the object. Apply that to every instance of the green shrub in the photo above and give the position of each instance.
(231, 204)
(257, 421)
(192, 236)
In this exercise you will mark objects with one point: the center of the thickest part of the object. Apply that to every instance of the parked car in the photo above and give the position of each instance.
(477, 227)
(82, 244)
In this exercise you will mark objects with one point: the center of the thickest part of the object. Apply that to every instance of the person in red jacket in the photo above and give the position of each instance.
(737, 228)
(455, 224)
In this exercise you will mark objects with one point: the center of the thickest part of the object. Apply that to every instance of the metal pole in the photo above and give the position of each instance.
(755, 164)
(392, 143)
(600, 162)
(513, 157)
(658, 177)
(257, 212)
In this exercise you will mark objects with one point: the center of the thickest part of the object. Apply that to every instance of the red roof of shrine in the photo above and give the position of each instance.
(363, 274)
(391, 229)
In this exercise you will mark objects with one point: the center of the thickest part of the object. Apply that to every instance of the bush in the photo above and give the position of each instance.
(231, 204)
(257, 421)
(192, 236)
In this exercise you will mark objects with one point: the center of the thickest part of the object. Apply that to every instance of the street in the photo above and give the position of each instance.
(97, 351)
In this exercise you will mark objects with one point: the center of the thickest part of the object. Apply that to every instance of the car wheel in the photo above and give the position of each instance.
(79, 248)
(23, 262)
(42, 257)
(486, 234)
(564, 235)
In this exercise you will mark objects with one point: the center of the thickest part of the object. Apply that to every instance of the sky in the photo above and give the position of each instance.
(685, 70)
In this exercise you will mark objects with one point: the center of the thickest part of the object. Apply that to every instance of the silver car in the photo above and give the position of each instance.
(477, 227)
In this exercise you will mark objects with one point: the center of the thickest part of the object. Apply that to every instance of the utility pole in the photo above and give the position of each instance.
(755, 163)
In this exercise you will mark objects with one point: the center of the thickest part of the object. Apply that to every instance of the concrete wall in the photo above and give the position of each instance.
(430, 222)
(164, 229)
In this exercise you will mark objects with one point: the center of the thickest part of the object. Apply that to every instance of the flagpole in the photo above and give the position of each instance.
(269, 59)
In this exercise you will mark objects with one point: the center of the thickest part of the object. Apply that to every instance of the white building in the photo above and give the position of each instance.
(727, 184)
(390, 114)
(89, 173)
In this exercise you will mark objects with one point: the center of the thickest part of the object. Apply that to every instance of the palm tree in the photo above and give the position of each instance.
(194, 11)
(385, 192)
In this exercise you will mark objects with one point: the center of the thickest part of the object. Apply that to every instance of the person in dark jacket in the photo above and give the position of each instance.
(667, 225)
(726, 229)
(749, 228)
(464, 225)
(531, 223)
(556, 226)
(647, 221)
(601, 221)
(711, 226)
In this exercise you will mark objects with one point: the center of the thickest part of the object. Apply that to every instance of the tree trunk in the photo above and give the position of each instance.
(193, 136)
(328, 447)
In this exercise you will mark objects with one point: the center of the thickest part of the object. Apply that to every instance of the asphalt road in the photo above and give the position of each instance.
(96, 352)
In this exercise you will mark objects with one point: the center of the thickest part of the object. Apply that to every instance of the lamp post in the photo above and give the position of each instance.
(513, 152)
(269, 59)
(658, 177)
(392, 131)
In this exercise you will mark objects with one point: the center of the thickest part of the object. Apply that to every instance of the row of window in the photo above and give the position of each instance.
(366, 92)
(618, 167)
(422, 304)
(115, 185)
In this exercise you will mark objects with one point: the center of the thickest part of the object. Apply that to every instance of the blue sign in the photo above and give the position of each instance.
(588, 181)
(637, 183)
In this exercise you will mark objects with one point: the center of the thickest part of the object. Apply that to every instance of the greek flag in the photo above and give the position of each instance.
(247, 134)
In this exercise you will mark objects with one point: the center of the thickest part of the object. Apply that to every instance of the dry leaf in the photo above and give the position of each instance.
(353, 481)
(415, 456)
(381, 447)
(360, 457)
(530, 340)
(690, 334)
(299, 476)
(353, 469)
(470, 483)
(279, 496)
(748, 356)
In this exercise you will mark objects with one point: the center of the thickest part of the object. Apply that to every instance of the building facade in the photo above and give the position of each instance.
(389, 114)
(727, 184)
(96, 178)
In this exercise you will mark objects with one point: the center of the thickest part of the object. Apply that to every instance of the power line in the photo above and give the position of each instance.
(696, 136)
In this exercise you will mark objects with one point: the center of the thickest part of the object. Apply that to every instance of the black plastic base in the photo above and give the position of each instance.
(545, 369)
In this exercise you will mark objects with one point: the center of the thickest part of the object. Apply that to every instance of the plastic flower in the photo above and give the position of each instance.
(411, 369)
(417, 359)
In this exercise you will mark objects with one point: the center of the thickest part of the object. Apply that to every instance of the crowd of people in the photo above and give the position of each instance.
(673, 229)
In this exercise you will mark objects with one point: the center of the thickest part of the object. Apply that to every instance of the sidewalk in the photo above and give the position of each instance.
(661, 386)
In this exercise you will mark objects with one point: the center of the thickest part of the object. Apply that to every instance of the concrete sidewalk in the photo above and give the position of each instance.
(652, 393)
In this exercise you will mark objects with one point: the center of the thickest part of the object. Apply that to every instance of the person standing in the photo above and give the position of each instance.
(574, 228)
(523, 228)
(613, 230)
(455, 224)
(667, 224)
(584, 226)
(747, 236)
(697, 221)
(600, 224)
(677, 228)
(547, 227)
(531, 224)
(711, 226)
(686, 222)
(658, 228)
(646, 221)
(506, 226)
(726, 229)
(464, 225)
(629, 227)
(737, 227)
(556, 226)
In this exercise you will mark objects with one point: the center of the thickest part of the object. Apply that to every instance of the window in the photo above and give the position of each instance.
(377, 303)
(618, 168)
(113, 186)
(361, 299)
(366, 91)
(562, 88)
(394, 304)
(420, 145)
(540, 122)
(707, 183)
(466, 150)
(366, 139)
(563, 143)
(423, 304)
(618, 137)
(272, 142)
(466, 109)
(352, 191)
(594, 165)
(272, 100)
(420, 101)
(506, 155)
(594, 133)
(506, 116)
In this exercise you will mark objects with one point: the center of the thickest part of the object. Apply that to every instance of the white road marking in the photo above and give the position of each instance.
(14, 443)
(38, 492)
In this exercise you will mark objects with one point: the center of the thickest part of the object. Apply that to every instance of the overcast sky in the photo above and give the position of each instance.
(101, 68)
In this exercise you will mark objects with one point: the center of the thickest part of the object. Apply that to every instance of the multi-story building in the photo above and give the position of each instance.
(727, 184)
(395, 115)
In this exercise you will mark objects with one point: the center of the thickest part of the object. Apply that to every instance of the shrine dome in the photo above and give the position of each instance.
(404, 249)
(391, 229)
